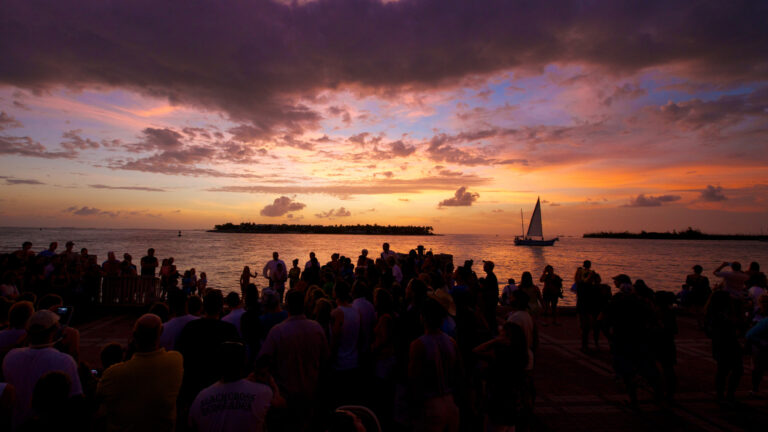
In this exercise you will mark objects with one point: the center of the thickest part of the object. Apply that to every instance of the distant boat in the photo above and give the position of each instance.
(534, 230)
(179, 233)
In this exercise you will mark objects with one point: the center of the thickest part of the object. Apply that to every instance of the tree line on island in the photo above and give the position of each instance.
(689, 234)
(249, 227)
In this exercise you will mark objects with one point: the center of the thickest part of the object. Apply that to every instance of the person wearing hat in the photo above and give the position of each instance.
(22, 367)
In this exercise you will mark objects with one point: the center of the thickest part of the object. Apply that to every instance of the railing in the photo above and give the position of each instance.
(129, 290)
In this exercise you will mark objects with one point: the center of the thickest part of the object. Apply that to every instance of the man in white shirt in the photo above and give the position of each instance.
(236, 311)
(233, 403)
(521, 317)
(270, 268)
(23, 367)
(733, 281)
(397, 272)
(386, 253)
(180, 310)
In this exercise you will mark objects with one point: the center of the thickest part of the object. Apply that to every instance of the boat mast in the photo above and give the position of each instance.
(522, 224)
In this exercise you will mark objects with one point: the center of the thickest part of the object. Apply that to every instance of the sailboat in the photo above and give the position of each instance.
(534, 230)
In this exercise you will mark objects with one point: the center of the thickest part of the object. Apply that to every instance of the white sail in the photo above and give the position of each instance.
(534, 228)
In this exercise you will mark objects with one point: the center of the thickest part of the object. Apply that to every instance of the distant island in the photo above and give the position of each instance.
(248, 227)
(689, 234)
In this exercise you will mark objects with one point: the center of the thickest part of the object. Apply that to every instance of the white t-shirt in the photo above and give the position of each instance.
(233, 317)
(755, 292)
(172, 329)
(506, 294)
(22, 368)
(397, 273)
(733, 282)
(367, 320)
(235, 406)
(524, 320)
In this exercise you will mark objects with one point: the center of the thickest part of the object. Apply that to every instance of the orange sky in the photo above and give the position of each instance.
(379, 123)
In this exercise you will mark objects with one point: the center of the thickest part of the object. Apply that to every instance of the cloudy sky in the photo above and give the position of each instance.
(455, 114)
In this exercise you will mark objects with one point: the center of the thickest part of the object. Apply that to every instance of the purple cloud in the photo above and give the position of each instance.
(14, 181)
(462, 198)
(371, 187)
(713, 194)
(281, 206)
(26, 146)
(252, 59)
(73, 141)
(651, 201)
(7, 122)
(170, 152)
(334, 213)
(90, 211)
(135, 188)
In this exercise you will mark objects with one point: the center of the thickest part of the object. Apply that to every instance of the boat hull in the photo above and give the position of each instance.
(531, 242)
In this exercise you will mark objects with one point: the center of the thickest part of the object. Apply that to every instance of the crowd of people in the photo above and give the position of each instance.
(399, 342)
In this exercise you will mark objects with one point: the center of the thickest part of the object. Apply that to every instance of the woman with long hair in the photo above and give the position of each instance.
(534, 294)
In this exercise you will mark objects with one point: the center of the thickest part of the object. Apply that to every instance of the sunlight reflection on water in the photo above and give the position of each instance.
(663, 264)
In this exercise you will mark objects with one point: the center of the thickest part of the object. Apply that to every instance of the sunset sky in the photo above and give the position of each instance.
(620, 115)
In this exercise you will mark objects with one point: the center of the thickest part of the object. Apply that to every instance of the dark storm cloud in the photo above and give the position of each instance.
(462, 198)
(725, 111)
(254, 59)
(651, 201)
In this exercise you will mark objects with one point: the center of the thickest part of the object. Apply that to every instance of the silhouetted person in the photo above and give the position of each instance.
(663, 343)
(490, 296)
(552, 292)
(734, 280)
(198, 343)
(434, 374)
(22, 367)
(233, 403)
(296, 351)
(345, 330)
(628, 320)
(587, 303)
(140, 393)
(723, 325)
(149, 263)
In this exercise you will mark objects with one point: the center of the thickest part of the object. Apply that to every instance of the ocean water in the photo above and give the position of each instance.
(663, 264)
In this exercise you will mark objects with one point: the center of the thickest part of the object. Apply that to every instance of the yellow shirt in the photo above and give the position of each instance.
(140, 394)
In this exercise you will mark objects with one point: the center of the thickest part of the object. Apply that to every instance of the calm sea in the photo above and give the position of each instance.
(663, 264)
